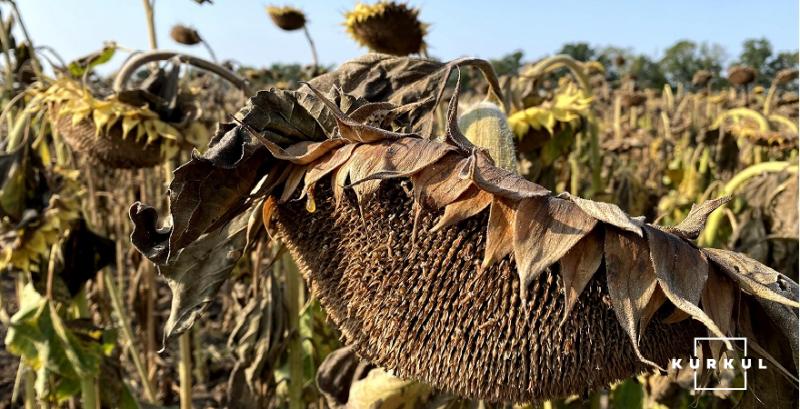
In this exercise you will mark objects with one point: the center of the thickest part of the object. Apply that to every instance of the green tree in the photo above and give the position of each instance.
(756, 54)
(685, 57)
(648, 73)
(579, 51)
(508, 64)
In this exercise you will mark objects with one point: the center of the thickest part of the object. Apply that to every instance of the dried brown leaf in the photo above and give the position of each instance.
(480, 169)
(326, 165)
(301, 153)
(718, 302)
(354, 131)
(656, 301)
(578, 267)
(402, 158)
(749, 274)
(695, 221)
(631, 282)
(682, 271)
(545, 229)
(438, 185)
(607, 213)
(499, 232)
(292, 182)
(472, 202)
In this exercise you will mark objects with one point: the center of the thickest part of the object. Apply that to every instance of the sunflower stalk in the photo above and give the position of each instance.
(710, 235)
(314, 59)
(134, 63)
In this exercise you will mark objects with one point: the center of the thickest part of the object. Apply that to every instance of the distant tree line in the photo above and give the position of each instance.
(676, 66)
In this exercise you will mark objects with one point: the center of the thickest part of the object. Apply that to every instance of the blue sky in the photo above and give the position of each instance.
(240, 29)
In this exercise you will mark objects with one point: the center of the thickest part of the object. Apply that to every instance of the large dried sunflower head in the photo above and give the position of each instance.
(286, 17)
(185, 35)
(387, 27)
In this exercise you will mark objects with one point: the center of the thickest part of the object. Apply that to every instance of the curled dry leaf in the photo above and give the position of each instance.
(631, 282)
(695, 221)
(499, 229)
(545, 229)
(472, 202)
(749, 274)
(579, 265)
(682, 272)
(718, 300)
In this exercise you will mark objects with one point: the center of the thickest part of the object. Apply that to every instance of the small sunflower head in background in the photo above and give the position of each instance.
(387, 27)
(286, 17)
(741, 75)
(185, 35)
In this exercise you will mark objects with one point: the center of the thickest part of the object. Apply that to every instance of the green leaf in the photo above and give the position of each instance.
(78, 67)
(50, 346)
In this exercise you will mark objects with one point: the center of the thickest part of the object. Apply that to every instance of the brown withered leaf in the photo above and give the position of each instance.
(749, 274)
(338, 180)
(499, 231)
(326, 165)
(301, 153)
(631, 282)
(402, 158)
(472, 202)
(695, 221)
(352, 130)
(480, 169)
(211, 189)
(439, 184)
(656, 301)
(682, 271)
(578, 267)
(676, 316)
(545, 228)
(607, 213)
(718, 300)
(195, 274)
(366, 113)
(293, 180)
(362, 163)
(415, 86)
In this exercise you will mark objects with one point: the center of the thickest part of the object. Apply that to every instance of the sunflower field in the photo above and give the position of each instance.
(590, 229)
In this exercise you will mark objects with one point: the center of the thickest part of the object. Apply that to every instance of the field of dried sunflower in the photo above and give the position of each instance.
(396, 231)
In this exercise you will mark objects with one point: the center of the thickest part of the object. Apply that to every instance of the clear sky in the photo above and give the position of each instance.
(240, 29)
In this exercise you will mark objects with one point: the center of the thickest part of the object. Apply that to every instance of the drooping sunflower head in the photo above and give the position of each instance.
(26, 243)
(786, 75)
(286, 17)
(701, 78)
(387, 27)
(741, 75)
(185, 35)
(92, 124)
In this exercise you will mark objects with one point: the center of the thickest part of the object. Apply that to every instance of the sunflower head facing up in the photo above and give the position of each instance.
(286, 17)
(387, 27)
